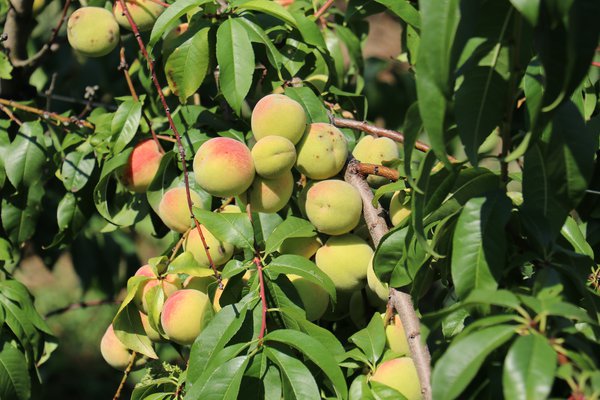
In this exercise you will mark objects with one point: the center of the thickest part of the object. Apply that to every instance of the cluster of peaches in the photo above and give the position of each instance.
(261, 177)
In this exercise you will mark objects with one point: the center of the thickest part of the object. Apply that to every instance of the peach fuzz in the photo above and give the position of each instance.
(301, 246)
(334, 207)
(220, 252)
(400, 374)
(278, 115)
(313, 296)
(183, 314)
(396, 337)
(143, 12)
(142, 166)
(114, 351)
(271, 195)
(224, 167)
(173, 209)
(92, 31)
(322, 152)
(376, 151)
(273, 156)
(398, 210)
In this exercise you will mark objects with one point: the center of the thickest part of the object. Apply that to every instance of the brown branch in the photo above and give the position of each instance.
(180, 147)
(379, 170)
(67, 99)
(81, 305)
(47, 115)
(48, 93)
(166, 138)
(401, 302)
(125, 376)
(323, 9)
(10, 114)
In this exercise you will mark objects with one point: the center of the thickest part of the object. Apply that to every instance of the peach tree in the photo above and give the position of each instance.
(311, 254)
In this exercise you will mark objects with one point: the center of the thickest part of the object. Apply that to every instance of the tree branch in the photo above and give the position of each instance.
(261, 281)
(379, 170)
(125, 376)
(323, 9)
(47, 115)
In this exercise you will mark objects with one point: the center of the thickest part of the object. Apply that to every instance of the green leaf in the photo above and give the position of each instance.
(258, 35)
(298, 381)
(171, 17)
(15, 382)
(69, 214)
(224, 381)
(268, 7)
(125, 124)
(77, 169)
(404, 10)
(128, 328)
(187, 66)
(529, 368)
(234, 228)
(5, 67)
(459, 364)
(413, 125)
(292, 227)
(324, 336)
(479, 243)
(236, 62)
(25, 157)
(309, 30)
(185, 263)
(19, 213)
(315, 111)
(316, 352)
(573, 234)
(371, 340)
(529, 9)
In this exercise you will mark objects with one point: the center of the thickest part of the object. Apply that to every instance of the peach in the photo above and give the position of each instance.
(396, 337)
(224, 167)
(278, 115)
(322, 152)
(301, 246)
(345, 260)
(150, 331)
(400, 374)
(220, 252)
(270, 195)
(378, 292)
(376, 151)
(183, 315)
(142, 166)
(143, 12)
(92, 31)
(273, 156)
(399, 207)
(230, 209)
(200, 283)
(173, 208)
(114, 351)
(313, 296)
(170, 41)
(169, 284)
(334, 207)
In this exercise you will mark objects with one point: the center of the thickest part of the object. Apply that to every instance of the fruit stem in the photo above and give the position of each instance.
(125, 375)
(180, 147)
(47, 114)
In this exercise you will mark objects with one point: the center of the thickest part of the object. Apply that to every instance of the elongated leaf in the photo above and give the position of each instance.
(297, 378)
(404, 10)
(128, 328)
(258, 35)
(573, 234)
(371, 340)
(125, 124)
(459, 364)
(298, 265)
(268, 7)
(224, 381)
(170, 17)
(25, 156)
(77, 169)
(315, 111)
(234, 228)
(529, 9)
(236, 62)
(15, 382)
(529, 369)
(292, 227)
(19, 213)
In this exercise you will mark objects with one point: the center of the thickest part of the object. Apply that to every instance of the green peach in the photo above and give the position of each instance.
(92, 31)
(224, 167)
(399, 211)
(377, 292)
(173, 208)
(142, 166)
(334, 207)
(400, 374)
(273, 156)
(345, 260)
(322, 152)
(396, 337)
(376, 151)
(143, 12)
(220, 252)
(182, 317)
(270, 195)
(200, 283)
(313, 296)
(301, 246)
(278, 115)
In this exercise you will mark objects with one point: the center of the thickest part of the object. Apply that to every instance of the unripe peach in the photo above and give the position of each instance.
(396, 337)
(92, 31)
(270, 195)
(377, 292)
(200, 283)
(142, 166)
(376, 151)
(170, 41)
(150, 331)
(173, 209)
(345, 260)
(302, 246)
(114, 351)
(400, 374)
(183, 315)
(398, 210)
(230, 209)
(278, 115)
(273, 156)
(220, 252)
(313, 296)
(143, 12)
(224, 167)
(169, 284)
(333, 206)
(322, 152)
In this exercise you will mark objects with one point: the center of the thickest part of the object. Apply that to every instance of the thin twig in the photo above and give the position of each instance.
(323, 8)
(48, 93)
(401, 301)
(166, 138)
(379, 170)
(10, 114)
(46, 114)
(150, 64)
(125, 376)
(178, 245)
(261, 281)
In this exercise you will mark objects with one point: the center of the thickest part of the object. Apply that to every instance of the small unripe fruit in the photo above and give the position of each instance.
(271, 195)
(376, 151)
(273, 156)
(114, 351)
(400, 374)
(220, 252)
(322, 152)
(183, 315)
(396, 337)
(345, 260)
(142, 166)
(333, 206)
(169, 284)
(278, 115)
(302, 246)
(313, 296)
(143, 12)
(224, 167)
(399, 211)
(92, 31)
(230, 209)
(173, 209)
(377, 291)
(150, 331)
